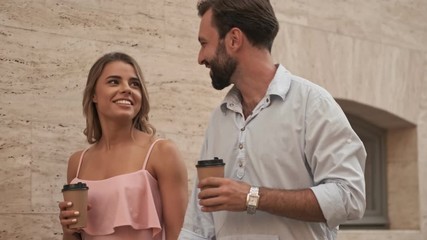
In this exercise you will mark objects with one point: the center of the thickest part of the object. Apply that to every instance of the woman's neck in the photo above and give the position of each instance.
(117, 136)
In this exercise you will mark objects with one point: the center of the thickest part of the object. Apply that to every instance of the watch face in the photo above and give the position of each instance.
(252, 201)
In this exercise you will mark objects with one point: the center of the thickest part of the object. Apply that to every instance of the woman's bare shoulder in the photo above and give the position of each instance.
(168, 162)
(166, 147)
(75, 158)
(73, 165)
(166, 152)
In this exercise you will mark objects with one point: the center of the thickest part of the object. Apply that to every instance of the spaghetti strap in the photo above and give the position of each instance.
(80, 161)
(149, 153)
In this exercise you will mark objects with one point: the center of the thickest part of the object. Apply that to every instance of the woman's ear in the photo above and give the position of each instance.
(94, 99)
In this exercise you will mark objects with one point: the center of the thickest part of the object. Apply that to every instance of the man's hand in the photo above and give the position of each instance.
(220, 194)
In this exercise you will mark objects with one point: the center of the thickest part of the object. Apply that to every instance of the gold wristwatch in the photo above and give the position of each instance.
(252, 200)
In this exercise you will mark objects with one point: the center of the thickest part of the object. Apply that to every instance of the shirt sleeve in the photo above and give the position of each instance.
(337, 158)
(198, 225)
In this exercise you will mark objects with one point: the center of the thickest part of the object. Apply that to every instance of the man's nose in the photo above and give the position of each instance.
(201, 59)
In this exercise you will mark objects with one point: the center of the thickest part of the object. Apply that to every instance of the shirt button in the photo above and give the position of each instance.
(240, 173)
(267, 100)
(242, 129)
(240, 146)
(348, 140)
(240, 164)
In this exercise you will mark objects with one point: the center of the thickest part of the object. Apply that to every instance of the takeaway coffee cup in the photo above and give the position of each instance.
(210, 168)
(77, 194)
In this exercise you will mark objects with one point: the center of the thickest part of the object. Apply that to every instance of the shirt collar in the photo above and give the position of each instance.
(279, 86)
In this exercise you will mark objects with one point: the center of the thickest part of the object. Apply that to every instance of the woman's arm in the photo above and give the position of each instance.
(67, 217)
(172, 178)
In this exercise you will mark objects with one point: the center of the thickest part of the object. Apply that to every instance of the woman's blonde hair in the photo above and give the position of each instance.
(93, 129)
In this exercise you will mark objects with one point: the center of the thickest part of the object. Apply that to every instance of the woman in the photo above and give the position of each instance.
(137, 183)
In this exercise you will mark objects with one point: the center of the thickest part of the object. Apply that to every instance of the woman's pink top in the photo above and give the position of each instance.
(126, 206)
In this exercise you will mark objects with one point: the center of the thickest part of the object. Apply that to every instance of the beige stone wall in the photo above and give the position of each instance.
(370, 52)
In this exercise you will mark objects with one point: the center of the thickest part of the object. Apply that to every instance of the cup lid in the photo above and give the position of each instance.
(210, 163)
(76, 186)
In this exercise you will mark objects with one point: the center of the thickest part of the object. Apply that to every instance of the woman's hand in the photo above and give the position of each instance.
(66, 218)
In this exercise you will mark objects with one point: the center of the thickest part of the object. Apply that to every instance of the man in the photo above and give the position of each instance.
(294, 166)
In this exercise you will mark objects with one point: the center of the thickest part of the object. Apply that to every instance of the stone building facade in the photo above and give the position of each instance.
(371, 56)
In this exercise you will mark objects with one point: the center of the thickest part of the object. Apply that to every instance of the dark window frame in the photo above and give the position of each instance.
(374, 139)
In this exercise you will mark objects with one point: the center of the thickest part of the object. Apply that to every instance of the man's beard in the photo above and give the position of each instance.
(222, 67)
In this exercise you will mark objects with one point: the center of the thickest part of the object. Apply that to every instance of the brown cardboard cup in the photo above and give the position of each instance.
(77, 194)
(210, 168)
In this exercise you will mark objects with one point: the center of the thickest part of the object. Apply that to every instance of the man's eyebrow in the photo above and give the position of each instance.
(202, 39)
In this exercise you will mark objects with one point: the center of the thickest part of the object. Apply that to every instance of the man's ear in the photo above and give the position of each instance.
(235, 38)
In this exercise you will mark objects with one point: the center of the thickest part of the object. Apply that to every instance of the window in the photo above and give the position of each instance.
(373, 138)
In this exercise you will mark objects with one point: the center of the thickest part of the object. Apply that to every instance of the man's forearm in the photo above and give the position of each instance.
(297, 204)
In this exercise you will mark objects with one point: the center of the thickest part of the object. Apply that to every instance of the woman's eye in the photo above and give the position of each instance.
(135, 84)
(113, 81)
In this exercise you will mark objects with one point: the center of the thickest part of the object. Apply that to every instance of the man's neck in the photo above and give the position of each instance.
(254, 79)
